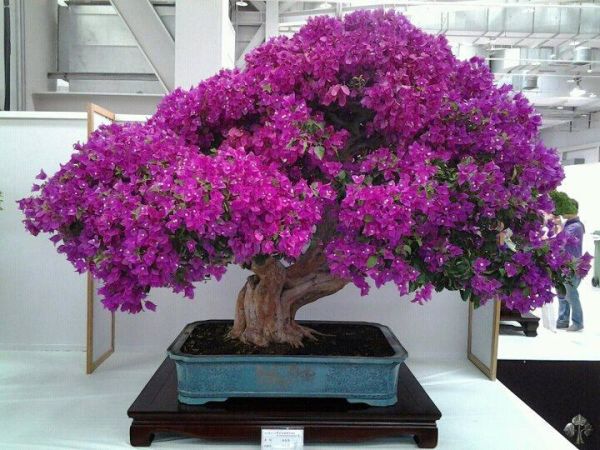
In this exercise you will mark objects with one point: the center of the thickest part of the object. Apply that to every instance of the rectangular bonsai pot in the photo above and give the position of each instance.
(204, 378)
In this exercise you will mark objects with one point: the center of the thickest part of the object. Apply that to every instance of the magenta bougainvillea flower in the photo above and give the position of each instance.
(430, 176)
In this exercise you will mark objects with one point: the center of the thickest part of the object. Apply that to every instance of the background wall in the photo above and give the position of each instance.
(582, 133)
(42, 299)
(437, 329)
(582, 182)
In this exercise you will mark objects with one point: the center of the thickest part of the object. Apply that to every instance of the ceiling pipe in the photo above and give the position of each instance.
(6, 56)
(485, 21)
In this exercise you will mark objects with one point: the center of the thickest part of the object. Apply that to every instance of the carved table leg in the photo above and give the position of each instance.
(531, 329)
(427, 438)
(140, 436)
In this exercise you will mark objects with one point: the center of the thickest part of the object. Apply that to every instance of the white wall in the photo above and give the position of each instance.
(42, 299)
(582, 182)
(437, 329)
(581, 133)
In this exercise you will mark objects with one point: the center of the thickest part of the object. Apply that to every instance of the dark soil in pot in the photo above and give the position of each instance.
(338, 339)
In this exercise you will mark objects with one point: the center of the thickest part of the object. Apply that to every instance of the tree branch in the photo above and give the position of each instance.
(310, 288)
(310, 262)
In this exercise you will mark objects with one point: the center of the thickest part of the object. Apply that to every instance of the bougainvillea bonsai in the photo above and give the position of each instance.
(358, 148)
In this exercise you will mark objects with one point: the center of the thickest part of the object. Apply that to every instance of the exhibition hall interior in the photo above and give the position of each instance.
(300, 224)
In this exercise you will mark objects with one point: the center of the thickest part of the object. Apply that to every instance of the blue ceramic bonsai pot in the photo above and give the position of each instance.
(204, 378)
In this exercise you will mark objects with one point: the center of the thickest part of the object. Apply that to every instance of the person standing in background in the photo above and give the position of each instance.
(552, 227)
(569, 306)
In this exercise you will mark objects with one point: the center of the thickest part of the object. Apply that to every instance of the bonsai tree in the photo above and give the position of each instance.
(358, 148)
(563, 204)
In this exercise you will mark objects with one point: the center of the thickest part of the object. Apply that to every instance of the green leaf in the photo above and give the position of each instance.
(319, 151)
(315, 187)
(342, 175)
(561, 290)
(368, 218)
(311, 126)
(372, 261)
(465, 294)
(407, 249)
(267, 88)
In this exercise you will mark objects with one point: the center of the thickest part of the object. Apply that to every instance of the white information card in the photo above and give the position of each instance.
(282, 439)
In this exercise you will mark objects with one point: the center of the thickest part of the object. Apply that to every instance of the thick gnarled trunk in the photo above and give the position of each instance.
(268, 302)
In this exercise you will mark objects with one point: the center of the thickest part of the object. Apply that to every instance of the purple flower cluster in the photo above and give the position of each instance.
(434, 177)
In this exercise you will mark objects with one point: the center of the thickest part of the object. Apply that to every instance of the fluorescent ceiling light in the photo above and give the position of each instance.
(241, 3)
(325, 5)
(574, 43)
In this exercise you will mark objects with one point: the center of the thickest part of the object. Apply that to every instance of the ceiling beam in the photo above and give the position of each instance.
(257, 39)
(260, 6)
(286, 6)
(151, 36)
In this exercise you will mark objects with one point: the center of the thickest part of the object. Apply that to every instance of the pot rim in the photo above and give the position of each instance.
(400, 353)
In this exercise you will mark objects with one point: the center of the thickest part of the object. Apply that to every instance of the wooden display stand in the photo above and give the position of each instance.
(324, 420)
(528, 322)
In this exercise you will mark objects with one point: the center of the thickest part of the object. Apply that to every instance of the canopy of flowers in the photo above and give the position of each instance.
(431, 176)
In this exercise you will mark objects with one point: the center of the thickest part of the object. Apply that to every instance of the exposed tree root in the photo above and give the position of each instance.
(268, 302)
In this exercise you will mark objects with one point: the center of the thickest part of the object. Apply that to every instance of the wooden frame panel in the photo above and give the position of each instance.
(92, 364)
(490, 371)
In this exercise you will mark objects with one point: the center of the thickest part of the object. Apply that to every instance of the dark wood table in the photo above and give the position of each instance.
(157, 409)
(528, 322)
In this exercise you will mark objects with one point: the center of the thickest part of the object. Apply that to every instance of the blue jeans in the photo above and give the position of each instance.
(570, 304)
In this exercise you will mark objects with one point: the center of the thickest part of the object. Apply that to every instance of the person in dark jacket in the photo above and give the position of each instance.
(570, 306)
